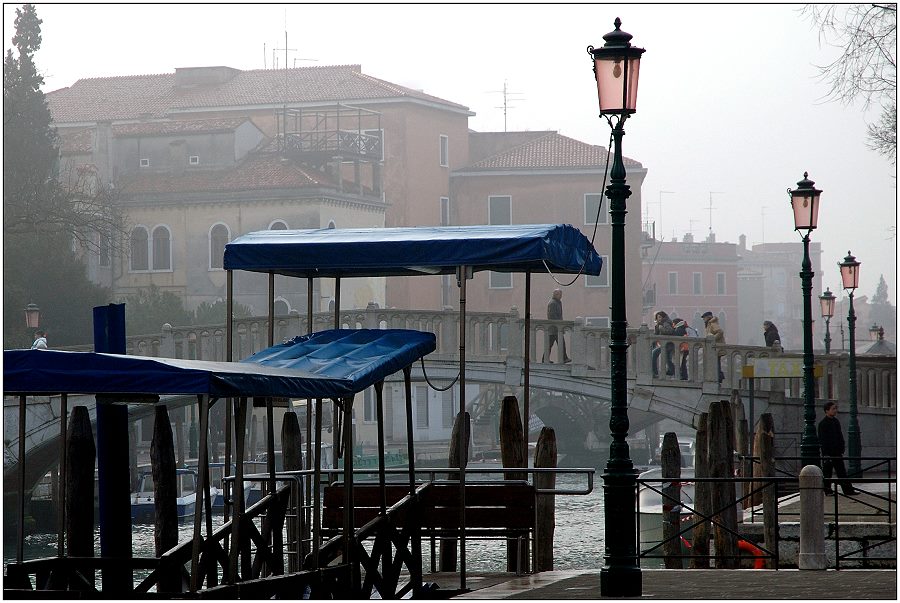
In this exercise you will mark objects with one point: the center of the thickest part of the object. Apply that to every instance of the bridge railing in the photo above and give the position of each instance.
(496, 336)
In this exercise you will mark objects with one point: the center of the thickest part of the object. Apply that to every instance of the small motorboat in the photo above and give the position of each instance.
(143, 506)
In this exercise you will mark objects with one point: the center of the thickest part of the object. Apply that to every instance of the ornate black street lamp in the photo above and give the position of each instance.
(616, 68)
(805, 203)
(874, 332)
(826, 302)
(32, 316)
(850, 280)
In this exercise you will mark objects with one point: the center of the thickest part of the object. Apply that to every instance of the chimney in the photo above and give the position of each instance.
(688, 237)
(711, 237)
(742, 242)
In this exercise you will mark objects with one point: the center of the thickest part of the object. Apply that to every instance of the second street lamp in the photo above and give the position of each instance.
(850, 280)
(805, 203)
(826, 302)
(616, 67)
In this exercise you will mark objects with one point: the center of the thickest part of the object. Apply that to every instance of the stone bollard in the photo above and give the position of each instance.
(812, 519)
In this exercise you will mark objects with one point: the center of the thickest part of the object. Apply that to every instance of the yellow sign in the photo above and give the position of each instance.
(777, 368)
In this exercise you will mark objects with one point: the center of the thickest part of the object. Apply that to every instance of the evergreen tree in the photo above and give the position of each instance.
(881, 292)
(41, 216)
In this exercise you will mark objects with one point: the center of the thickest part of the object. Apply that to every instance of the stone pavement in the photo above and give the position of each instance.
(693, 584)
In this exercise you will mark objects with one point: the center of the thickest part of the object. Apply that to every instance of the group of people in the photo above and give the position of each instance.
(663, 325)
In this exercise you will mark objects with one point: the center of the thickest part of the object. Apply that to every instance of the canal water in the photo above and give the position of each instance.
(578, 539)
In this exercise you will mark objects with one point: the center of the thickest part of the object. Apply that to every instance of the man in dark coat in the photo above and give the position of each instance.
(770, 332)
(831, 439)
(555, 312)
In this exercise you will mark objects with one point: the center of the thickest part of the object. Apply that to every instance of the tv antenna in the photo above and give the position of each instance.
(507, 97)
(659, 205)
(710, 208)
(762, 213)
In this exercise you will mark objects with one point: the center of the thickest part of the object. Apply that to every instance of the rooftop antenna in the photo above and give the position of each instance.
(711, 208)
(659, 204)
(507, 97)
(762, 212)
(691, 225)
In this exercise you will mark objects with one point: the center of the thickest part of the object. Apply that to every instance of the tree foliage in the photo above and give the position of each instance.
(881, 292)
(214, 314)
(867, 66)
(40, 216)
(147, 310)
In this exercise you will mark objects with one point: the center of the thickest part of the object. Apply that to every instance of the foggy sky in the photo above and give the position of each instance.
(728, 98)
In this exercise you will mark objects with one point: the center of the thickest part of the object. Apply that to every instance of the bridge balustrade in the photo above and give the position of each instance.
(497, 336)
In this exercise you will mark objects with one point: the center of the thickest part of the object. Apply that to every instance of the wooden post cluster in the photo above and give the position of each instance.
(80, 458)
(165, 491)
(292, 460)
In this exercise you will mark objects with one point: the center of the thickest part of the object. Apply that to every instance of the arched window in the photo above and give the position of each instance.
(278, 225)
(140, 249)
(281, 307)
(219, 236)
(162, 248)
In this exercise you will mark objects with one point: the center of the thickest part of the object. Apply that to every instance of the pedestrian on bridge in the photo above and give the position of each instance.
(663, 326)
(40, 341)
(555, 312)
(713, 328)
(770, 332)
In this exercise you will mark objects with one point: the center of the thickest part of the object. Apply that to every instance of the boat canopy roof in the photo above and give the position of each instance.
(410, 251)
(327, 364)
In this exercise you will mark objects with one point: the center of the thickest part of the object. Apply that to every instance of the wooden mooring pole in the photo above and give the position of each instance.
(165, 491)
(700, 547)
(292, 460)
(670, 458)
(512, 455)
(447, 561)
(545, 505)
(80, 458)
(765, 450)
(721, 465)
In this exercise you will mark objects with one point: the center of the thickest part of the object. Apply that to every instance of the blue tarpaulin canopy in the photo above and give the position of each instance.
(328, 364)
(356, 252)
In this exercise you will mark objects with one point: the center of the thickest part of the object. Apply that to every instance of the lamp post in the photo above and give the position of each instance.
(616, 68)
(850, 280)
(32, 321)
(805, 203)
(826, 302)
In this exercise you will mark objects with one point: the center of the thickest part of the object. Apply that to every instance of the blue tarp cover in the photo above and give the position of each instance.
(355, 252)
(328, 364)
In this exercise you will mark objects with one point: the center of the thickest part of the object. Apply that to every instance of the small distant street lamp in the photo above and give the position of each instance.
(805, 203)
(32, 316)
(826, 302)
(616, 68)
(850, 279)
(875, 331)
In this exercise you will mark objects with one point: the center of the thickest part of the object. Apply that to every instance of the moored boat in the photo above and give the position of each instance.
(143, 506)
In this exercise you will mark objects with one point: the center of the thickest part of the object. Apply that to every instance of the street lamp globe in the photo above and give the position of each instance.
(805, 203)
(616, 69)
(32, 316)
(826, 302)
(849, 273)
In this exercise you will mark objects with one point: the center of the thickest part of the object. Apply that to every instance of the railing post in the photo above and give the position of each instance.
(812, 519)
(167, 342)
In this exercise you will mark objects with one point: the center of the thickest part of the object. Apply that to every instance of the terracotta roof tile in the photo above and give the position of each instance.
(154, 96)
(549, 151)
(260, 171)
(178, 126)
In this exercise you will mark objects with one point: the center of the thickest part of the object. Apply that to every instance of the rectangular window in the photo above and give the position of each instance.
(720, 283)
(601, 280)
(673, 283)
(500, 280)
(592, 205)
(421, 407)
(369, 405)
(194, 160)
(445, 211)
(447, 408)
(445, 151)
(698, 283)
(145, 162)
(103, 250)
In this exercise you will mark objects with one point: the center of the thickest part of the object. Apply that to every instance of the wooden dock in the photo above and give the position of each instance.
(686, 584)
